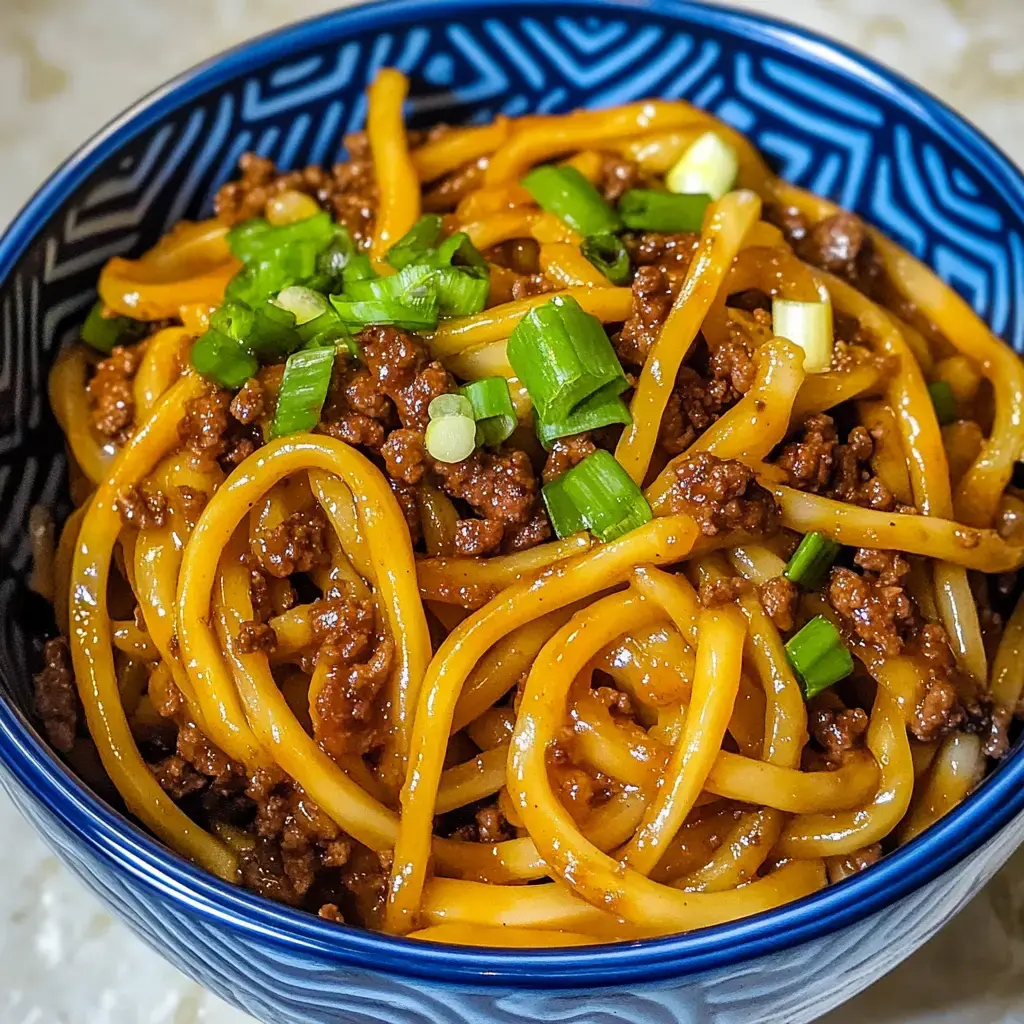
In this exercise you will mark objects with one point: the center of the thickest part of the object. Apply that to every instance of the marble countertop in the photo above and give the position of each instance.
(66, 67)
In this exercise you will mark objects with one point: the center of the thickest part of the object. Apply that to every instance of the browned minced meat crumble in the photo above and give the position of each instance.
(56, 699)
(110, 393)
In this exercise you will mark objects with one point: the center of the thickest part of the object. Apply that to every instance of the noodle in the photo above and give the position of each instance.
(400, 679)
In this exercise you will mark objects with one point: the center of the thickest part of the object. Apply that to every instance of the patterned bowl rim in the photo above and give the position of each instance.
(115, 839)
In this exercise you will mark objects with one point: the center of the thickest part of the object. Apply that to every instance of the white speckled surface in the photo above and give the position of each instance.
(66, 67)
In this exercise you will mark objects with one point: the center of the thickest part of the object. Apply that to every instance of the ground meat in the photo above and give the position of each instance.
(204, 425)
(348, 190)
(654, 291)
(346, 623)
(141, 510)
(56, 699)
(722, 495)
(819, 464)
(837, 733)
(498, 485)
(356, 429)
(299, 544)
(269, 596)
(780, 598)
(474, 537)
(247, 406)
(256, 636)
(295, 840)
(489, 826)
(177, 778)
(879, 614)
(405, 455)
(673, 252)
(355, 410)
(192, 502)
(939, 710)
(534, 284)
(793, 224)
(404, 372)
(618, 175)
(523, 536)
(444, 195)
(843, 867)
(716, 592)
(699, 399)
(618, 703)
(347, 719)
(565, 453)
(841, 245)
(408, 503)
(110, 392)
(520, 255)
(330, 912)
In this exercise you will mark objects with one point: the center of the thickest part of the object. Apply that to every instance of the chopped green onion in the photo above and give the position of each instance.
(609, 255)
(307, 376)
(452, 404)
(416, 314)
(416, 244)
(327, 330)
(458, 250)
(303, 303)
(262, 278)
(256, 239)
(645, 209)
(493, 411)
(273, 334)
(809, 325)
(818, 656)
(562, 356)
(943, 400)
(459, 291)
(599, 410)
(597, 494)
(235, 319)
(451, 438)
(563, 191)
(223, 359)
(812, 560)
(709, 166)
(104, 332)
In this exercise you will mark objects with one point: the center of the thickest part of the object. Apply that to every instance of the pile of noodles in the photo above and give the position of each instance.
(725, 722)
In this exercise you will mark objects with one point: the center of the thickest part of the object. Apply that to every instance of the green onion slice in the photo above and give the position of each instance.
(303, 303)
(327, 330)
(598, 495)
(492, 408)
(452, 404)
(818, 656)
(307, 376)
(943, 400)
(812, 560)
(415, 314)
(709, 167)
(256, 239)
(809, 325)
(451, 438)
(563, 191)
(458, 291)
(458, 250)
(223, 359)
(644, 209)
(273, 334)
(599, 410)
(609, 255)
(562, 356)
(417, 243)
(104, 332)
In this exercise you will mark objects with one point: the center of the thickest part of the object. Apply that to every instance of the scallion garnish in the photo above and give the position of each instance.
(414, 314)
(492, 409)
(223, 359)
(606, 252)
(303, 303)
(307, 376)
(458, 250)
(563, 191)
(327, 330)
(273, 334)
(818, 656)
(943, 400)
(104, 332)
(709, 167)
(645, 209)
(417, 243)
(812, 560)
(256, 239)
(809, 325)
(562, 356)
(599, 410)
(451, 432)
(598, 495)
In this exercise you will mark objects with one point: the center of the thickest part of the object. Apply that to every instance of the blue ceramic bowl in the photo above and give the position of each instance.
(829, 120)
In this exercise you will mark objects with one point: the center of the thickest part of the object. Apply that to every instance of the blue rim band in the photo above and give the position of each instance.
(997, 801)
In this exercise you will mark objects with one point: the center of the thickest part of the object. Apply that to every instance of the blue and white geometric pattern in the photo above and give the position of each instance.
(826, 120)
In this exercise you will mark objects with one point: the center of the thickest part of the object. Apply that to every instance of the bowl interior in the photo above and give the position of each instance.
(826, 119)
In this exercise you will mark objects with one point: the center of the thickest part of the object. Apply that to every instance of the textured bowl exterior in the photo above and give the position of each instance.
(829, 121)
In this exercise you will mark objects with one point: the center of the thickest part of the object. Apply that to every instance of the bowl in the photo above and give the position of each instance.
(828, 119)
